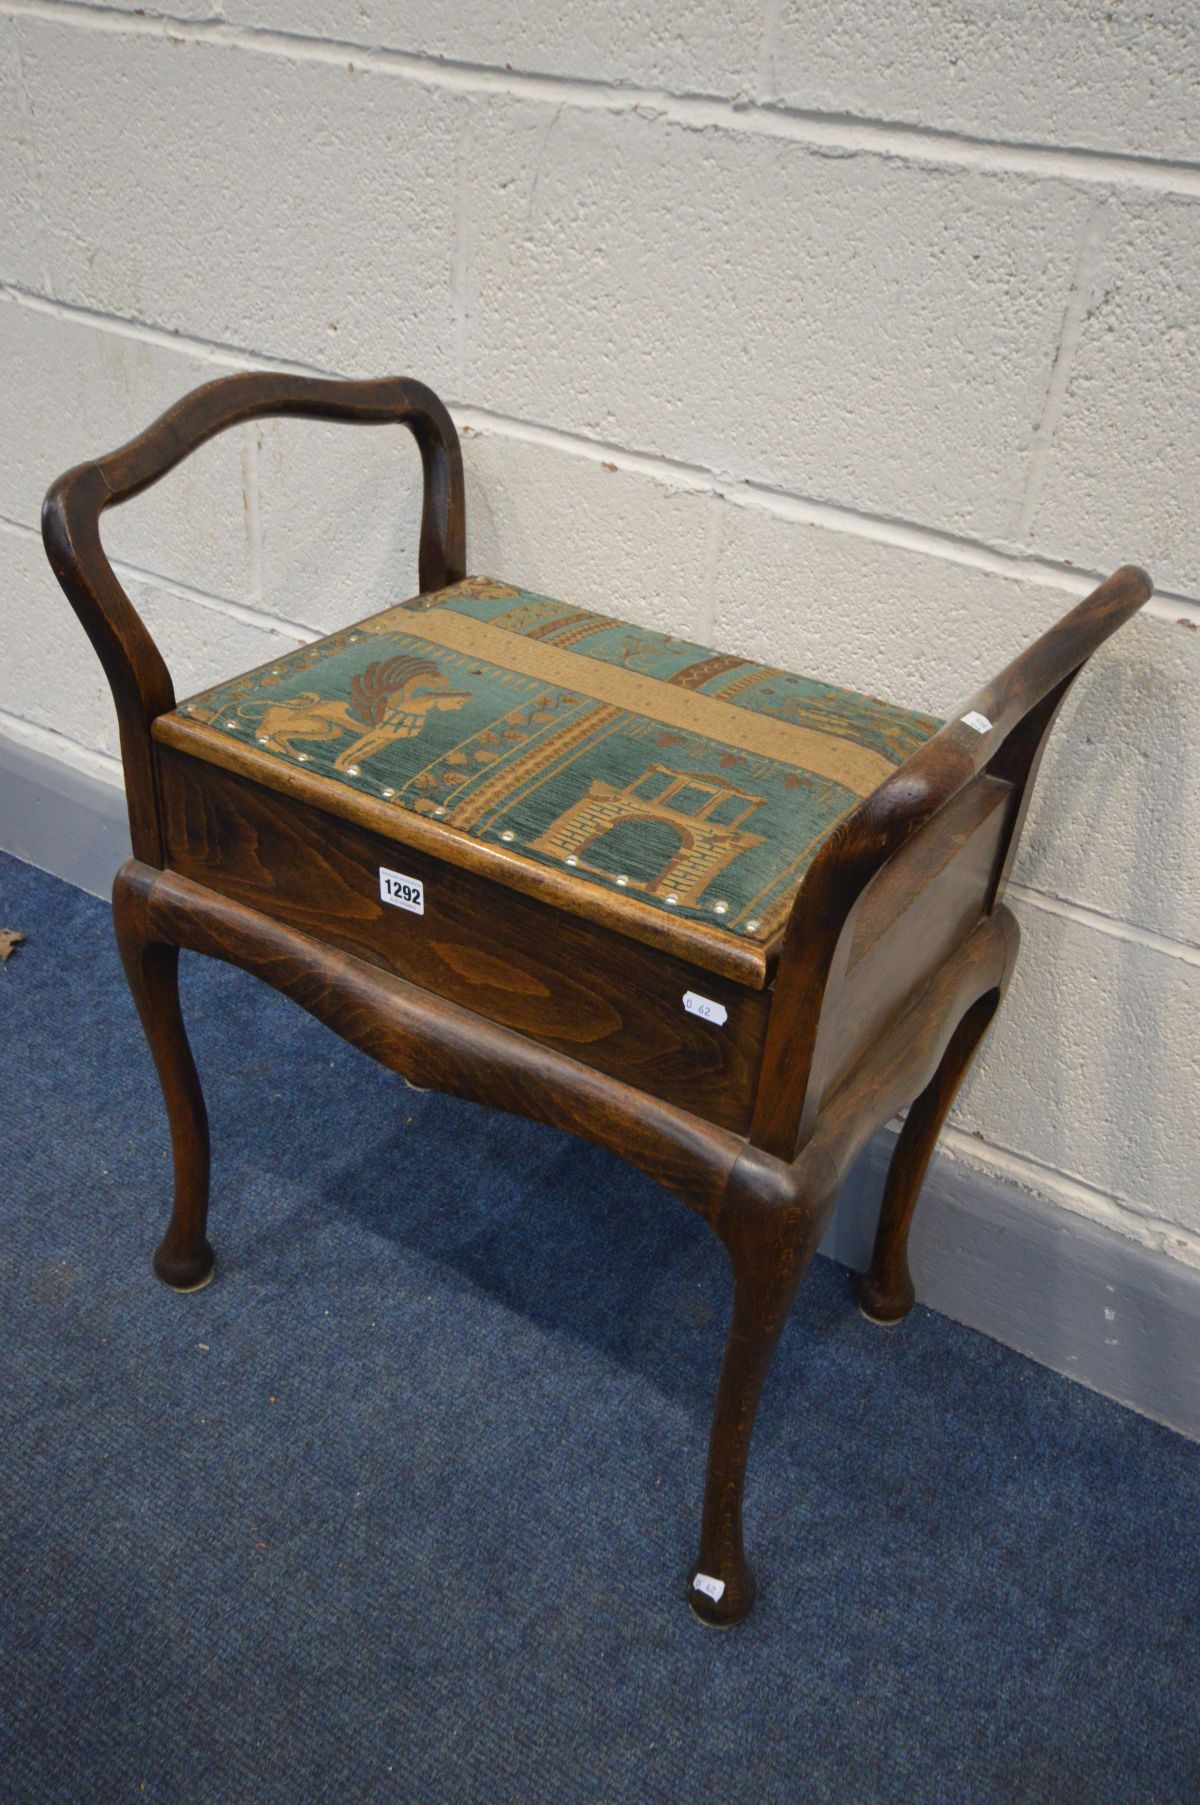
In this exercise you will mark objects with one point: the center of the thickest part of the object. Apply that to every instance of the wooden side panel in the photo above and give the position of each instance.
(602, 999)
(924, 903)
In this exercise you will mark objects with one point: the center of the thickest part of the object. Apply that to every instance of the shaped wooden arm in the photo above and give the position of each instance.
(139, 679)
(1001, 730)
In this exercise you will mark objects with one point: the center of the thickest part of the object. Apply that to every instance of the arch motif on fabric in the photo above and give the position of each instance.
(686, 802)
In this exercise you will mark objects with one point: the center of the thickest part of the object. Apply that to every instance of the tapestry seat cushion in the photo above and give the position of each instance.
(696, 780)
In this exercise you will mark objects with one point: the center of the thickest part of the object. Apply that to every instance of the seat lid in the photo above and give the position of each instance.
(673, 793)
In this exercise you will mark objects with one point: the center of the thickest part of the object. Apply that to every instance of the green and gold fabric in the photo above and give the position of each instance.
(696, 779)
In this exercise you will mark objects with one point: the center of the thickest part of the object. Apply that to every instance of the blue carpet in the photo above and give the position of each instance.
(400, 1508)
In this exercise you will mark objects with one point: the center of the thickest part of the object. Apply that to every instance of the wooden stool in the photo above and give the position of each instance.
(723, 920)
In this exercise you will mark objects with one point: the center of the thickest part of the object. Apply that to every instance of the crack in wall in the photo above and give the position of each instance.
(1076, 313)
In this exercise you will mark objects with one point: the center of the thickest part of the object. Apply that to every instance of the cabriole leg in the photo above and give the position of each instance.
(184, 1259)
(885, 1291)
(769, 1260)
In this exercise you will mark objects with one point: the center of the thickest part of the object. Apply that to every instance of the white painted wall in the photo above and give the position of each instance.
(854, 336)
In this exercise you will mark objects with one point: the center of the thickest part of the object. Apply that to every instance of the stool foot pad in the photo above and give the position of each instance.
(735, 1602)
(886, 1309)
(184, 1275)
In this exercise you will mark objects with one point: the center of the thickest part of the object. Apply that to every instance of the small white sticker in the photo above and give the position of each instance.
(979, 722)
(698, 1005)
(703, 1582)
(403, 892)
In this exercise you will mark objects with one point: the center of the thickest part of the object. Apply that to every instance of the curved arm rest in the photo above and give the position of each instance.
(1025, 695)
(139, 679)
(939, 769)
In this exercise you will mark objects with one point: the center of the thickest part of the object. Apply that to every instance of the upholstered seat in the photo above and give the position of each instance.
(698, 784)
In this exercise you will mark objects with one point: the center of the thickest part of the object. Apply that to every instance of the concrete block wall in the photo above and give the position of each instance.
(859, 337)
